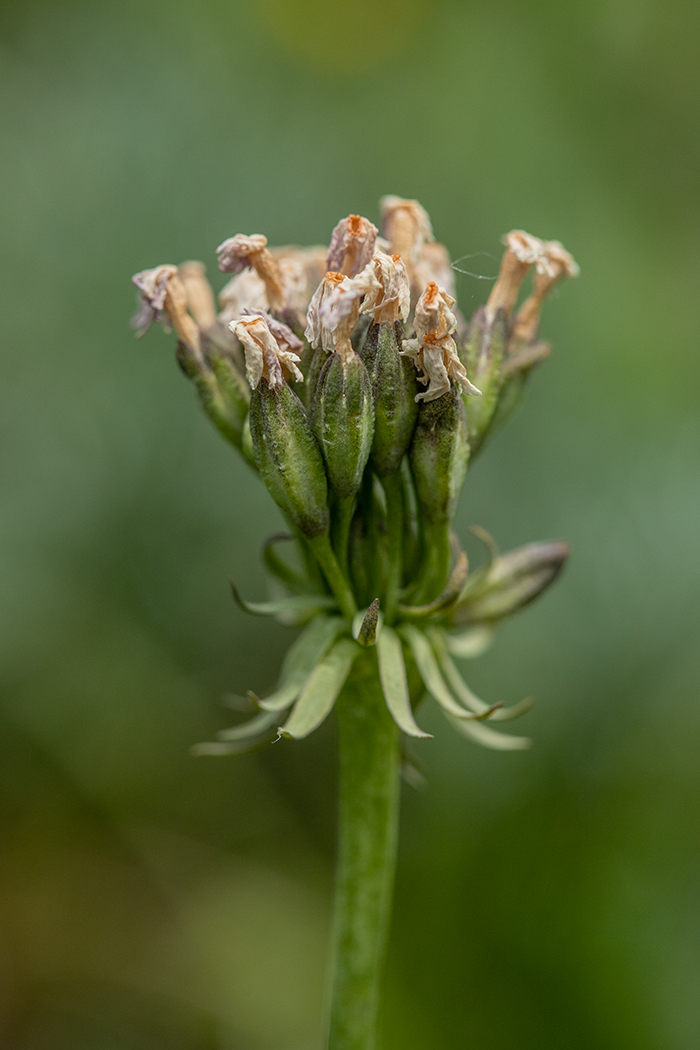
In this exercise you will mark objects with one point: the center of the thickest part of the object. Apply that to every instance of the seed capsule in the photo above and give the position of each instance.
(483, 356)
(343, 421)
(288, 458)
(394, 390)
(439, 456)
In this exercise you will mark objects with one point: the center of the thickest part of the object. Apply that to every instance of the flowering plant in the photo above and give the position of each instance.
(366, 396)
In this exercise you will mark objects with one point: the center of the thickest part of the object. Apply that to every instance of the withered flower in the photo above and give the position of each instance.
(269, 348)
(163, 298)
(554, 264)
(335, 308)
(406, 226)
(522, 251)
(241, 252)
(390, 298)
(352, 245)
(433, 349)
(435, 265)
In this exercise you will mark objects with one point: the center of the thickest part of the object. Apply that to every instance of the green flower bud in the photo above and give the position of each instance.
(288, 458)
(439, 456)
(343, 421)
(483, 355)
(394, 390)
(223, 392)
(510, 582)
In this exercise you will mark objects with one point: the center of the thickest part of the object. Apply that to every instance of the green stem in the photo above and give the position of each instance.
(393, 490)
(435, 562)
(368, 827)
(341, 516)
(321, 546)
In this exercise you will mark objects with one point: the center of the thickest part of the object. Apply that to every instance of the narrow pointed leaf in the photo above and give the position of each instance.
(301, 603)
(392, 672)
(310, 647)
(470, 643)
(430, 672)
(481, 734)
(321, 690)
(234, 747)
(366, 625)
(260, 723)
(448, 597)
(495, 712)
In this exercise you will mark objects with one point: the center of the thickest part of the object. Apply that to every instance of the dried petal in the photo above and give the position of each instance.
(335, 309)
(434, 265)
(163, 298)
(554, 264)
(352, 245)
(264, 357)
(242, 251)
(200, 297)
(390, 298)
(406, 225)
(522, 251)
(432, 349)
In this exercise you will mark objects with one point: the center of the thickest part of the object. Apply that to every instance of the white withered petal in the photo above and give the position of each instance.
(433, 349)
(200, 297)
(335, 309)
(406, 225)
(264, 357)
(242, 251)
(554, 264)
(434, 265)
(522, 251)
(163, 298)
(352, 245)
(390, 298)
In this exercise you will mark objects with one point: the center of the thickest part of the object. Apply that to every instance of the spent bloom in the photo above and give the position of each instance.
(433, 347)
(352, 245)
(270, 349)
(366, 470)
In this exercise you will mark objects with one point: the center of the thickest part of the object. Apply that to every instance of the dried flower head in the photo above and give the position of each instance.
(335, 309)
(163, 298)
(200, 297)
(352, 245)
(406, 225)
(390, 298)
(554, 264)
(241, 252)
(269, 348)
(244, 291)
(433, 349)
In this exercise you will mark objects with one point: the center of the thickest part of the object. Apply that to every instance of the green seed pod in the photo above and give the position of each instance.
(224, 394)
(509, 583)
(288, 457)
(394, 389)
(342, 420)
(483, 356)
(439, 456)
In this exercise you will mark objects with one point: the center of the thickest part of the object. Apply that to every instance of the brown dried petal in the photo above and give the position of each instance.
(352, 245)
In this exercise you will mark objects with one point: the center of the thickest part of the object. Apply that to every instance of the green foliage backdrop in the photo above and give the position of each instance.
(151, 900)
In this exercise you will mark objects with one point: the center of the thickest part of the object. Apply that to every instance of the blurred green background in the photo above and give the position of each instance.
(150, 900)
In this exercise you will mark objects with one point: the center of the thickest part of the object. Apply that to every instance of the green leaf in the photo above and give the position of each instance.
(470, 643)
(430, 672)
(302, 656)
(481, 734)
(496, 712)
(392, 672)
(365, 625)
(260, 723)
(321, 690)
(448, 597)
(301, 603)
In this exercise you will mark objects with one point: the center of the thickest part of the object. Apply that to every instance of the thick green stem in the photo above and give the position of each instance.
(393, 490)
(321, 546)
(435, 562)
(368, 826)
(342, 507)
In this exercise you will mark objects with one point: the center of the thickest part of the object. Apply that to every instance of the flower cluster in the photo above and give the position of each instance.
(352, 384)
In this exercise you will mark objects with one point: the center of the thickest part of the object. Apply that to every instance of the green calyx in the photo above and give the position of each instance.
(394, 390)
(342, 419)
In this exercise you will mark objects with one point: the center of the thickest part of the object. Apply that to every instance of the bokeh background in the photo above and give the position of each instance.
(150, 900)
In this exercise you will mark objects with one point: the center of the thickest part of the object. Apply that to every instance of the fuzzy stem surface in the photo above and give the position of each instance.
(368, 828)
